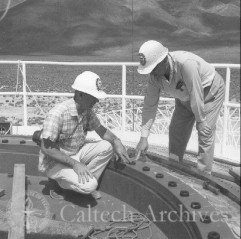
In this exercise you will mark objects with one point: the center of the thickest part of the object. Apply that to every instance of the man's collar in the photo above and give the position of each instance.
(72, 108)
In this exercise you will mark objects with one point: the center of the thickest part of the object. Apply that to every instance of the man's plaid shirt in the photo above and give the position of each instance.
(60, 127)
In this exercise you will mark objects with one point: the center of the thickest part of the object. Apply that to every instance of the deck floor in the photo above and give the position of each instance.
(75, 208)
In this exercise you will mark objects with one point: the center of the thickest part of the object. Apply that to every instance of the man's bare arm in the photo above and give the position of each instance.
(50, 149)
(115, 141)
(106, 134)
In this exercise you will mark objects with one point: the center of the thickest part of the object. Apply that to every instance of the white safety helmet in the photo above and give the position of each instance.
(90, 83)
(151, 53)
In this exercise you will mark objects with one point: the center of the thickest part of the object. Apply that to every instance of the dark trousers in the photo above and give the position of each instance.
(183, 119)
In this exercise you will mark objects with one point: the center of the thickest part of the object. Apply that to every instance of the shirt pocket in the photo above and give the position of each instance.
(66, 133)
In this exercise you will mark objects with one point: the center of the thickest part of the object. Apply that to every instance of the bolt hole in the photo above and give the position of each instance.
(196, 205)
(184, 193)
(146, 169)
(205, 219)
(172, 184)
(213, 235)
(159, 175)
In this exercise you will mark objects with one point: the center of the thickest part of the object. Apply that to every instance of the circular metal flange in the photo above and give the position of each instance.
(186, 197)
(232, 192)
(151, 187)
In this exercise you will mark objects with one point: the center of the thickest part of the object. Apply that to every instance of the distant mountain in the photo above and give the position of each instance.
(114, 29)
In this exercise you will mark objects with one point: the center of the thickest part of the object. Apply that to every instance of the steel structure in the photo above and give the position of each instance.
(126, 119)
(168, 194)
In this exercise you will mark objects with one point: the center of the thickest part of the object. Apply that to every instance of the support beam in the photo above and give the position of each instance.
(17, 206)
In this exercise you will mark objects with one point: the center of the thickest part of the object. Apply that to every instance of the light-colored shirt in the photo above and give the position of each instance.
(65, 127)
(189, 75)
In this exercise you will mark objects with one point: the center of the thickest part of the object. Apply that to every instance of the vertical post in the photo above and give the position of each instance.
(226, 112)
(25, 109)
(17, 206)
(123, 126)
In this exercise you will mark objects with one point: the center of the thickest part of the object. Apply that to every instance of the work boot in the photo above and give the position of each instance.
(96, 195)
(203, 168)
(55, 191)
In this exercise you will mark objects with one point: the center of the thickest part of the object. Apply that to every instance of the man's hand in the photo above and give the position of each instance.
(203, 128)
(83, 172)
(141, 147)
(121, 150)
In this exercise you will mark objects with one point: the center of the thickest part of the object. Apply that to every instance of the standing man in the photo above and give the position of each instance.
(199, 94)
(65, 156)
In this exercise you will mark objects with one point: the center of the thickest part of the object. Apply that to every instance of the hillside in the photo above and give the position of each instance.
(109, 29)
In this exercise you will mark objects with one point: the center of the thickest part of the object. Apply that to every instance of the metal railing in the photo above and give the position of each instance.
(124, 97)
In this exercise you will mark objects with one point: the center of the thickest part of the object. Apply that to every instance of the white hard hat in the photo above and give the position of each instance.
(90, 83)
(151, 53)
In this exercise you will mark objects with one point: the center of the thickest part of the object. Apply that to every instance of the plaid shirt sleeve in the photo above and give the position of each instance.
(52, 125)
(94, 122)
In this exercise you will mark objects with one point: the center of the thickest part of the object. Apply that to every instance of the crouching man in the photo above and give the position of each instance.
(65, 155)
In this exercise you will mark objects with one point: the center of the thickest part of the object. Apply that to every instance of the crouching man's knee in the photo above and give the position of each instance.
(105, 146)
(104, 151)
(87, 187)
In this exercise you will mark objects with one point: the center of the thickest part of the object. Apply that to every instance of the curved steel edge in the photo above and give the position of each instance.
(161, 186)
(231, 190)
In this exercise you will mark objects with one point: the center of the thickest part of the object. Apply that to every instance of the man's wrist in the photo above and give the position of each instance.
(144, 138)
(145, 129)
(145, 133)
(71, 161)
(116, 139)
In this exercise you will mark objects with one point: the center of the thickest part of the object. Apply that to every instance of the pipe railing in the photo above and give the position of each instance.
(22, 65)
